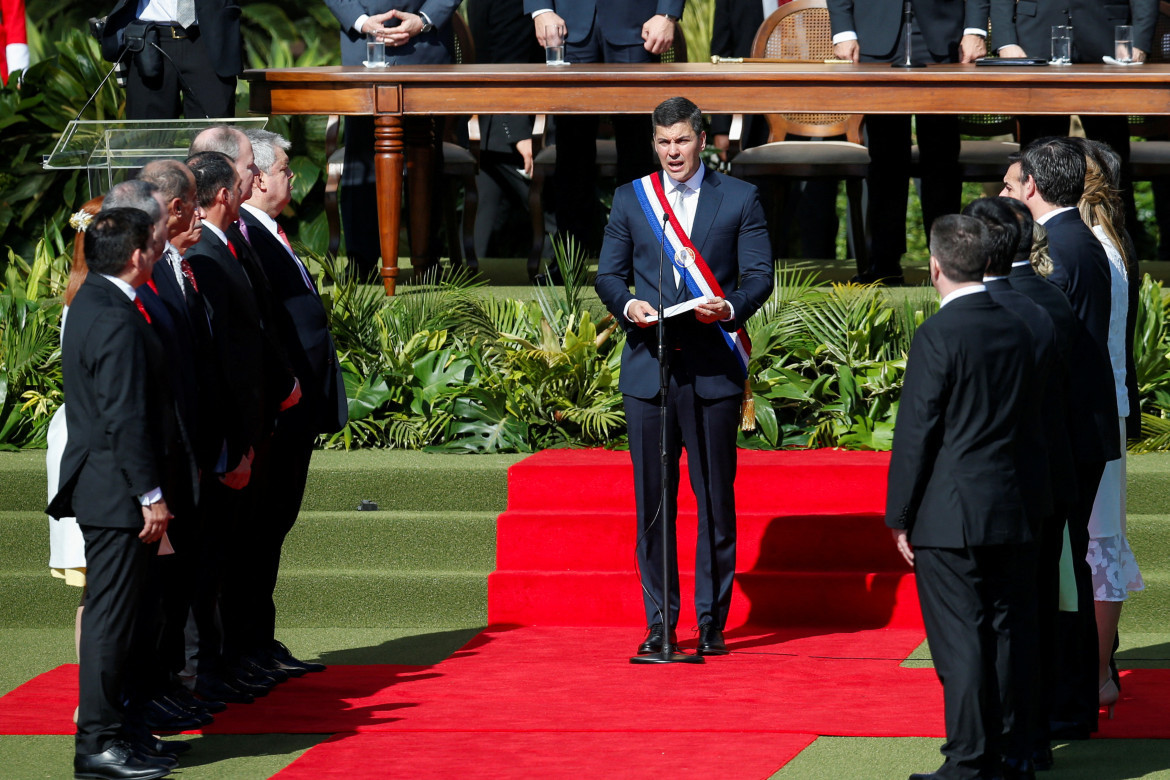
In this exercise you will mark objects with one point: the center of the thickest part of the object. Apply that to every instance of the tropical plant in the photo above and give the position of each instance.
(1151, 356)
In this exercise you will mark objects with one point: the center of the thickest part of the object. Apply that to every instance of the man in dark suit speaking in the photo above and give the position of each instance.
(119, 465)
(716, 254)
(954, 501)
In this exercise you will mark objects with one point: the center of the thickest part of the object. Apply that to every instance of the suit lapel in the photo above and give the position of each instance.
(709, 199)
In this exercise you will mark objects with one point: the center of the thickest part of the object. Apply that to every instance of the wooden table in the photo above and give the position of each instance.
(758, 88)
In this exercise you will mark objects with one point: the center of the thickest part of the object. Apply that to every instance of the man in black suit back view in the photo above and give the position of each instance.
(1048, 177)
(955, 503)
(119, 466)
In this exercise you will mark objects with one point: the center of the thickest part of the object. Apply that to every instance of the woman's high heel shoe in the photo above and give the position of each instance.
(1108, 695)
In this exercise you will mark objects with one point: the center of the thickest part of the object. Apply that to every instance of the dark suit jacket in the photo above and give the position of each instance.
(953, 478)
(1062, 428)
(431, 48)
(303, 329)
(239, 342)
(123, 437)
(1030, 26)
(730, 233)
(877, 23)
(620, 21)
(1081, 271)
(219, 29)
(1042, 417)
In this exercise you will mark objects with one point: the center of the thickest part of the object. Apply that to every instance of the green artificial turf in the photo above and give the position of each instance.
(853, 758)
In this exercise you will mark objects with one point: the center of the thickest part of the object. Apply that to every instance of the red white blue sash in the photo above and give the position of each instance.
(685, 255)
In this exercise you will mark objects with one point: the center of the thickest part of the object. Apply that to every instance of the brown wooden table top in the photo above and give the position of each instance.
(717, 88)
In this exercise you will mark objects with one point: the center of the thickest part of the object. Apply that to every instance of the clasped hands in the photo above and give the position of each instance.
(410, 26)
(712, 310)
(657, 32)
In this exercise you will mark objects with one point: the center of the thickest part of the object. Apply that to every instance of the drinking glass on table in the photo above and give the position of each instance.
(1061, 45)
(1123, 43)
(375, 51)
(554, 49)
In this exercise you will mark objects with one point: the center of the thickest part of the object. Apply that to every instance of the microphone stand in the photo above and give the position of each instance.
(907, 22)
(666, 655)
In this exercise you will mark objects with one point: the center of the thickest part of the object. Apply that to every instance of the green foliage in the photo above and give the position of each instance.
(697, 24)
(1151, 356)
(30, 365)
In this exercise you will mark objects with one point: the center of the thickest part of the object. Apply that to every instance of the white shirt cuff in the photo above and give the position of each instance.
(541, 11)
(626, 309)
(150, 497)
(17, 56)
(975, 31)
(730, 316)
(841, 37)
(360, 23)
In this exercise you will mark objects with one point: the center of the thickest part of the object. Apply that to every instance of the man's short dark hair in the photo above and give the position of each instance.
(678, 109)
(213, 171)
(170, 176)
(113, 236)
(1057, 165)
(1027, 226)
(959, 244)
(1003, 232)
(134, 194)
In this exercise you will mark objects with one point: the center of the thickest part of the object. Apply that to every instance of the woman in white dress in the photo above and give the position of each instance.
(1114, 567)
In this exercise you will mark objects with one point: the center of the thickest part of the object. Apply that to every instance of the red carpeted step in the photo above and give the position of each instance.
(782, 483)
(571, 540)
(838, 599)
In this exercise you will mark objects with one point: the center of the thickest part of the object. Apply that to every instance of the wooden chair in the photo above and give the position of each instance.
(799, 32)
(460, 165)
(544, 161)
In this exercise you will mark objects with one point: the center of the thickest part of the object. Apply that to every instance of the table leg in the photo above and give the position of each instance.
(389, 163)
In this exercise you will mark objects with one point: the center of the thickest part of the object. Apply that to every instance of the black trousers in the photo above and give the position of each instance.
(707, 428)
(968, 596)
(187, 86)
(576, 203)
(116, 566)
(888, 183)
(1074, 699)
(280, 472)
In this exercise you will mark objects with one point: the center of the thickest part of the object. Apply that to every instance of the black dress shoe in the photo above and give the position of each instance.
(711, 640)
(655, 635)
(891, 278)
(260, 667)
(188, 701)
(215, 689)
(281, 655)
(1042, 758)
(159, 717)
(168, 747)
(117, 762)
(1019, 769)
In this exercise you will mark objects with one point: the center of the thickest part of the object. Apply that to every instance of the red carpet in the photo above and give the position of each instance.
(824, 614)
(813, 549)
(471, 755)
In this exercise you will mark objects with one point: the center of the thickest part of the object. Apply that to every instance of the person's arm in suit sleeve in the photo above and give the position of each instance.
(841, 17)
(439, 11)
(974, 42)
(1003, 23)
(756, 267)
(615, 266)
(347, 12)
(918, 428)
(1144, 16)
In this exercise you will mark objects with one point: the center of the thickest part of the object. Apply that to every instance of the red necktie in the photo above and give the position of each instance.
(283, 237)
(185, 267)
(232, 249)
(142, 309)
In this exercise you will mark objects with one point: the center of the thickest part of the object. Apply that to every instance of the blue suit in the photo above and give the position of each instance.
(705, 384)
(619, 22)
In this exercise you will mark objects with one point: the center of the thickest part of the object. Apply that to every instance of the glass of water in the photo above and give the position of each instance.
(1123, 43)
(1061, 45)
(554, 49)
(375, 51)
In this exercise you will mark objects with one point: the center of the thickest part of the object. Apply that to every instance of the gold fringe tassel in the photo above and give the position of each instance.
(747, 417)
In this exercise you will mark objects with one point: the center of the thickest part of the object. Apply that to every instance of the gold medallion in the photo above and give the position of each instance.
(685, 257)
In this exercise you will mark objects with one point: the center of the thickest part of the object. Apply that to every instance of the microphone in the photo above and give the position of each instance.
(907, 23)
(661, 326)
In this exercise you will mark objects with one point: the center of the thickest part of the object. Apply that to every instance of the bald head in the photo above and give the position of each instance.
(232, 142)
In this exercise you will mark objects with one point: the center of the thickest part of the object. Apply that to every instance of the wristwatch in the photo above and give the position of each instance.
(671, 18)
(427, 26)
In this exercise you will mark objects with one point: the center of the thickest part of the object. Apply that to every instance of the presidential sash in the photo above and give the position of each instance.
(692, 268)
